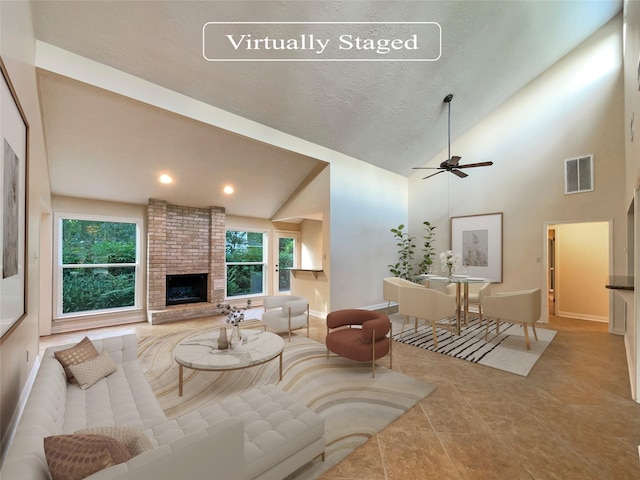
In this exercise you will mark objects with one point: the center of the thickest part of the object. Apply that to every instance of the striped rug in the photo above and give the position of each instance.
(506, 351)
(354, 405)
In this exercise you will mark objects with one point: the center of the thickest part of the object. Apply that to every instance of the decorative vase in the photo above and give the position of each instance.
(236, 337)
(223, 343)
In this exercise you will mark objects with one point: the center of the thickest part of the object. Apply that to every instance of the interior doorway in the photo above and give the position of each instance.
(578, 264)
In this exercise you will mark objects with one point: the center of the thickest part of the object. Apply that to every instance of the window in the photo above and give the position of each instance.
(245, 258)
(98, 265)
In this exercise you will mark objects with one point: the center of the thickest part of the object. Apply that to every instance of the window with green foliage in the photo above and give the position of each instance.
(245, 258)
(98, 265)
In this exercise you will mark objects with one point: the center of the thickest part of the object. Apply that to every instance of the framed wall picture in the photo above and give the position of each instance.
(14, 131)
(478, 239)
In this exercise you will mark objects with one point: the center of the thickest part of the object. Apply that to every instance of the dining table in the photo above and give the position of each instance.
(461, 281)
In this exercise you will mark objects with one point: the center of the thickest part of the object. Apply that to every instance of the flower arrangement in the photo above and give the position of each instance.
(449, 261)
(234, 314)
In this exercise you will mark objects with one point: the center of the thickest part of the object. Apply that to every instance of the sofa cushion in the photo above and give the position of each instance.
(275, 425)
(134, 439)
(74, 457)
(81, 352)
(89, 372)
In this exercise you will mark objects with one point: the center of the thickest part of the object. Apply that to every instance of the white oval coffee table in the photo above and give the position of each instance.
(200, 352)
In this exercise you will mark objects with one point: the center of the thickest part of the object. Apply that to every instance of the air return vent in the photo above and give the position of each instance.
(578, 174)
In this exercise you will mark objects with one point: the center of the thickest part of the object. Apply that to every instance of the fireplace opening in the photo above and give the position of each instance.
(190, 288)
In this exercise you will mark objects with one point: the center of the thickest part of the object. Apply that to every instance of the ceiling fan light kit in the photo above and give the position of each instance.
(451, 164)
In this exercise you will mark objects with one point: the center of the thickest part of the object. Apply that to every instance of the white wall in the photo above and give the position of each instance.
(574, 108)
(19, 348)
(632, 164)
(366, 202)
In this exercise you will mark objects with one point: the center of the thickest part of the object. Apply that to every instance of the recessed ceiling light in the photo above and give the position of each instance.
(164, 178)
(228, 189)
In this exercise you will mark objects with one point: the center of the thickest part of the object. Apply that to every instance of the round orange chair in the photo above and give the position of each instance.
(368, 343)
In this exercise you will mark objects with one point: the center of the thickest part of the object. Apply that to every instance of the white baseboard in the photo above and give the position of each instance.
(582, 316)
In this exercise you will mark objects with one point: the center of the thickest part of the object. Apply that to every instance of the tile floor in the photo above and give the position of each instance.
(571, 418)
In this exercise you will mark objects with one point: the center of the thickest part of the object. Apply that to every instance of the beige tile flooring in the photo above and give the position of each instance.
(571, 418)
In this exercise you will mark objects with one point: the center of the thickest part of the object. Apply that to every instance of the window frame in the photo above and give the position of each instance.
(264, 263)
(59, 267)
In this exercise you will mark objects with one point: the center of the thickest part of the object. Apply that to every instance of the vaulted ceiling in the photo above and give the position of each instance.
(390, 114)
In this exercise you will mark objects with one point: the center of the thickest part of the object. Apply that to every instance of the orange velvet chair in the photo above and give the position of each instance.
(367, 342)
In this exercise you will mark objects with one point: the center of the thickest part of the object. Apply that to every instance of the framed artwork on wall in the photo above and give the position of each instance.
(14, 131)
(478, 239)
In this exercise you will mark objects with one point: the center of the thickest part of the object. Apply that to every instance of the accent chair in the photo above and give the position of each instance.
(360, 335)
(284, 313)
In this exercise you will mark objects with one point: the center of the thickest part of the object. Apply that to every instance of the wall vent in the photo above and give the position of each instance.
(578, 174)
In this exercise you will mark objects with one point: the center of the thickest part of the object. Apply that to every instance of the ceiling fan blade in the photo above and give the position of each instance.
(429, 176)
(459, 173)
(453, 161)
(480, 164)
(426, 168)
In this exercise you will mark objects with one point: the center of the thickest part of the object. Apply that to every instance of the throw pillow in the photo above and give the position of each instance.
(89, 372)
(74, 457)
(79, 353)
(134, 439)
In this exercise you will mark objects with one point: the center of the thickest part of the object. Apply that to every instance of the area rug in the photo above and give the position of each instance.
(506, 351)
(355, 406)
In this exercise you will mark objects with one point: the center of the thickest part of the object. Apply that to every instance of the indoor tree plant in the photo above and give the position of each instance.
(405, 242)
(428, 249)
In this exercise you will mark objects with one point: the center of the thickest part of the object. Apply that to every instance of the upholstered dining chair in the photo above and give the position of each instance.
(521, 307)
(360, 335)
(390, 287)
(284, 313)
(429, 305)
(477, 291)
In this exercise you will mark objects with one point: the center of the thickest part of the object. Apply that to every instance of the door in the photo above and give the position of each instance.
(286, 254)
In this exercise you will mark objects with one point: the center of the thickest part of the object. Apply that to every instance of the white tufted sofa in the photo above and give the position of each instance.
(260, 434)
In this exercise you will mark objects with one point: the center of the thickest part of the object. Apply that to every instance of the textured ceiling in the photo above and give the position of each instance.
(389, 114)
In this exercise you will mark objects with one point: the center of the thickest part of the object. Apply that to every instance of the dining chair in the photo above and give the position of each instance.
(521, 307)
(390, 286)
(477, 291)
(429, 305)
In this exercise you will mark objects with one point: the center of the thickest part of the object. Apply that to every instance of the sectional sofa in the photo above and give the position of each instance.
(262, 433)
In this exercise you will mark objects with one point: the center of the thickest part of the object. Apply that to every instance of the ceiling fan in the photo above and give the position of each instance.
(451, 164)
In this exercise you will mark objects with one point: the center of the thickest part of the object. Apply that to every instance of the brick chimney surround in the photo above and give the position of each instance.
(184, 240)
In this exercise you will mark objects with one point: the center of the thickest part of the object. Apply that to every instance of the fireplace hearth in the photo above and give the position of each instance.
(189, 288)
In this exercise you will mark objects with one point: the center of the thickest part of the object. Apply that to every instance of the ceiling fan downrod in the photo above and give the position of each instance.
(447, 100)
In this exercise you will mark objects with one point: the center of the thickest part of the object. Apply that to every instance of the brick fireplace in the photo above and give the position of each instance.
(184, 241)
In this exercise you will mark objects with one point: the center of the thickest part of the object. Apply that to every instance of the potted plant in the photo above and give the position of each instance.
(405, 242)
(428, 249)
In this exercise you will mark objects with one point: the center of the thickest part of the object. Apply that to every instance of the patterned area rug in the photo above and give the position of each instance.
(506, 351)
(354, 405)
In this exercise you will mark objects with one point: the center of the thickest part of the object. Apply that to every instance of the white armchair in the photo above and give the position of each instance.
(391, 287)
(284, 313)
(521, 307)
